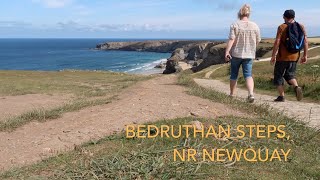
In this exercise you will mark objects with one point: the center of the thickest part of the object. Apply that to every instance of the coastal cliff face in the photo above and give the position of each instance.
(163, 46)
(212, 54)
(201, 54)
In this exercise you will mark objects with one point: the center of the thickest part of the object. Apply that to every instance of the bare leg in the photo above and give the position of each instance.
(297, 89)
(293, 82)
(250, 85)
(233, 86)
(280, 90)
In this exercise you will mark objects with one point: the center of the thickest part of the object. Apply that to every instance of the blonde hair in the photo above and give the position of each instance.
(244, 11)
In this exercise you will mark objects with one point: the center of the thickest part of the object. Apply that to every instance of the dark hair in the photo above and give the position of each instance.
(290, 14)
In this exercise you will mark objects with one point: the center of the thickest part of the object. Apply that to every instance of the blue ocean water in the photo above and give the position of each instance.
(60, 54)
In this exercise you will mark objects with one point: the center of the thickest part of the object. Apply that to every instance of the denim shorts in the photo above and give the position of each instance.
(246, 67)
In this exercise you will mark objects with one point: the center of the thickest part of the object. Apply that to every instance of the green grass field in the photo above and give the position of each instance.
(116, 157)
(79, 83)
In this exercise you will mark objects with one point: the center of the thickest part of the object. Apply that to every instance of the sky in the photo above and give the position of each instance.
(158, 19)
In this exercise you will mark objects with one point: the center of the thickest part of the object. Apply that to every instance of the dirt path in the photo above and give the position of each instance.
(16, 105)
(151, 100)
(308, 112)
(208, 74)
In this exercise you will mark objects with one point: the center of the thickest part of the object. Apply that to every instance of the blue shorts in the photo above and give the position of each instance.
(246, 68)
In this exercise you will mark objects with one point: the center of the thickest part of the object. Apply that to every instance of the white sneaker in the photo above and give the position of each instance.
(250, 98)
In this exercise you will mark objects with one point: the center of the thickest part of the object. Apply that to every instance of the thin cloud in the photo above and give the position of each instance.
(228, 5)
(222, 4)
(142, 4)
(14, 24)
(72, 25)
(81, 10)
(54, 3)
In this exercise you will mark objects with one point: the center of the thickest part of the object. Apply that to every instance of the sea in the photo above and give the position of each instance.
(75, 54)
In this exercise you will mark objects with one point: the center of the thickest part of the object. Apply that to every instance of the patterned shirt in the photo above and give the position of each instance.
(246, 35)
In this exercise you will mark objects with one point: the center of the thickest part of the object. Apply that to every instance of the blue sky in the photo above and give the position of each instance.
(145, 18)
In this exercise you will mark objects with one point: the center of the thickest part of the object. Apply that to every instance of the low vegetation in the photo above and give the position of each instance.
(308, 76)
(88, 88)
(42, 115)
(116, 157)
(79, 83)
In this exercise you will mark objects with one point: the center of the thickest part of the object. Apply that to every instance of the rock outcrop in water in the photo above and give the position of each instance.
(172, 64)
(200, 53)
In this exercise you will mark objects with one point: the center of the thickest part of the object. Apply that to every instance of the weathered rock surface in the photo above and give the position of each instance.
(178, 55)
(202, 54)
(171, 67)
(161, 65)
(195, 53)
(211, 55)
(163, 46)
(261, 51)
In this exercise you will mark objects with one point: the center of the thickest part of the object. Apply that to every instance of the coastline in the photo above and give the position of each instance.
(77, 54)
(140, 58)
(183, 65)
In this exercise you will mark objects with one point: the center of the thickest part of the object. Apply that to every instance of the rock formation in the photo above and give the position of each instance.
(201, 54)
(164, 46)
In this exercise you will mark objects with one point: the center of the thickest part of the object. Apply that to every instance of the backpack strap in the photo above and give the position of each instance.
(303, 40)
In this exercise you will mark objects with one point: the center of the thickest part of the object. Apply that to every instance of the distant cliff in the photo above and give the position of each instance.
(201, 54)
(163, 46)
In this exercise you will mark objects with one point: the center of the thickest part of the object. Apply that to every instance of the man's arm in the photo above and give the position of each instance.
(276, 46)
(306, 47)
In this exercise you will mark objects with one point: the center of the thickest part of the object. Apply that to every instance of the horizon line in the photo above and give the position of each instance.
(146, 38)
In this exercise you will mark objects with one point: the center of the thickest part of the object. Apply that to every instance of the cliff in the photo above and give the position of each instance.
(163, 46)
(201, 54)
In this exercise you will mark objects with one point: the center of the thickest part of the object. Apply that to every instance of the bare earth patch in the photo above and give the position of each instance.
(16, 105)
(151, 100)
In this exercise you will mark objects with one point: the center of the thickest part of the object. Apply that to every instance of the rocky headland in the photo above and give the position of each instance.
(200, 54)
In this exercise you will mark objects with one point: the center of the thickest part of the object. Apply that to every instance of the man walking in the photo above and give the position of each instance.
(291, 38)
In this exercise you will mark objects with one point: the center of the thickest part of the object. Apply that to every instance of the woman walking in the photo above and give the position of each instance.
(241, 50)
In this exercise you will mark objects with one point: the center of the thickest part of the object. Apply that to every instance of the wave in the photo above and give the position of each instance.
(146, 66)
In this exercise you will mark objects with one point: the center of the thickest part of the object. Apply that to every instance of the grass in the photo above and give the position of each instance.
(202, 73)
(89, 88)
(42, 115)
(311, 40)
(314, 40)
(79, 83)
(267, 44)
(116, 157)
(314, 52)
(308, 77)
